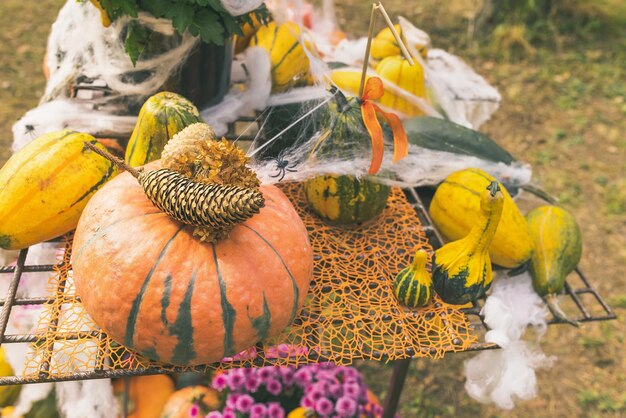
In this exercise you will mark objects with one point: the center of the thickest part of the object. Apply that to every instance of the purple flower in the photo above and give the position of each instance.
(244, 403)
(252, 384)
(266, 373)
(219, 382)
(214, 414)
(274, 387)
(287, 375)
(229, 413)
(345, 407)
(303, 377)
(316, 394)
(353, 390)
(307, 402)
(258, 410)
(236, 380)
(194, 411)
(335, 390)
(275, 410)
(324, 406)
(231, 401)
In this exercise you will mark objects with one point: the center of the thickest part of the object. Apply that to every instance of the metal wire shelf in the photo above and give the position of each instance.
(597, 311)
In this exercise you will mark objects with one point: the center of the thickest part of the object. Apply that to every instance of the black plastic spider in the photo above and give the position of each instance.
(30, 130)
(283, 167)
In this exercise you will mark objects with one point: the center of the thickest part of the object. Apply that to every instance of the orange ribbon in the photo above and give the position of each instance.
(374, 90)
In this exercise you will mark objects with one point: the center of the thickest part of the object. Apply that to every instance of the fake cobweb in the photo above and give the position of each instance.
(350, 312)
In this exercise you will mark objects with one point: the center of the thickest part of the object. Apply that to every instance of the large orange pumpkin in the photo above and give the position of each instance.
(153, 287)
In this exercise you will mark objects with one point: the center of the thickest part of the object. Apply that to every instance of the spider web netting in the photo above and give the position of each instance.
(350, 312)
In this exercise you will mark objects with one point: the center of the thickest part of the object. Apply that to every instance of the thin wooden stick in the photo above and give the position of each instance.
(117, 161)
(366, 59)
(403, 48)
(370, 36)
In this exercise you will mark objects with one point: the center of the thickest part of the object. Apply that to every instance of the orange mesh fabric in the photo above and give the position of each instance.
(350, 312)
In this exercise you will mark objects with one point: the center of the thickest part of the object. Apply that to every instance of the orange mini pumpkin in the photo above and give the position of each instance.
(152, 286)
(180, 402)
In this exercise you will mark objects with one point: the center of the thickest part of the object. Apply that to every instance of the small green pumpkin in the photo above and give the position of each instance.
(344, 199)
(414, 286)
(161, 117)
(462, 269)
(558, 247)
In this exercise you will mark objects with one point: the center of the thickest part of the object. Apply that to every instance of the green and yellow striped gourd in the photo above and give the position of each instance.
(290, 63)
(413, 285)
(558, 247)
(462, 269)
(161, 117)
(45, 186)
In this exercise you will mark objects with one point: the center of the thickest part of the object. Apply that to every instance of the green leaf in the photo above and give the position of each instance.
(209, 27)
(181, 15)
(136, 40)
(231, 25)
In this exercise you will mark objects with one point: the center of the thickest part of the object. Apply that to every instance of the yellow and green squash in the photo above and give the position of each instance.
(455, 209)
(558, 247)
(414, 285)
(45, 186)
(161, 117)
(462, 270)
(290, 63)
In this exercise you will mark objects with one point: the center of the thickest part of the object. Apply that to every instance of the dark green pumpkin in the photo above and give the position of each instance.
(414, 286)
(343, 199)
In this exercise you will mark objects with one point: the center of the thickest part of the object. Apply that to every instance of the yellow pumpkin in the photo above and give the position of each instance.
(410, 78)
(147, 395)
(455, 209)
(242, 42)
(290, 64)
(384, 43)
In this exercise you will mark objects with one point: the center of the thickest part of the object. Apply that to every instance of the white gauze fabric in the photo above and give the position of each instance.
(505, 376)
(80, 49)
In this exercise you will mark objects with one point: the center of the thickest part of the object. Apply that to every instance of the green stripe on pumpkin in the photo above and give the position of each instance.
(296, 290)
(165, 298)
(228, 312)
(289, 51)
(262, 322)
(134, 310)
(183, 328)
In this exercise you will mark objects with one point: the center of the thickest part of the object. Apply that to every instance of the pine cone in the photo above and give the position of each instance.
(216, 206)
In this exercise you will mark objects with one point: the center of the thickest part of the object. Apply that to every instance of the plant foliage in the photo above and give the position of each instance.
(207, 19)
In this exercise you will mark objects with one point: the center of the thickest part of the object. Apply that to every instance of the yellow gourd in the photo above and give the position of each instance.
(384, 43)
(410, 78)
(455, 209)
(290, 64)
(462, 269)
(45, 186)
